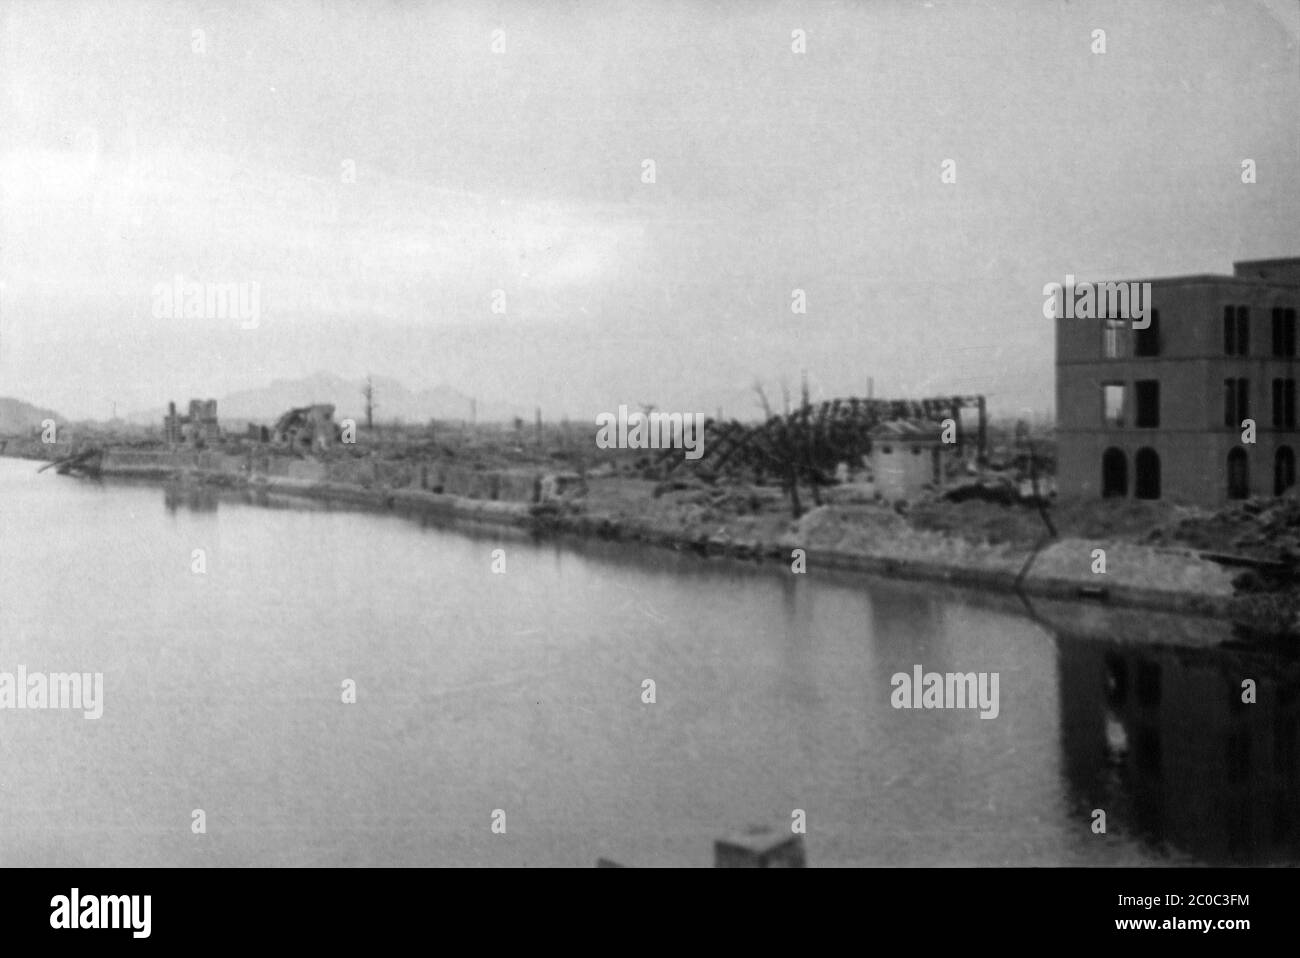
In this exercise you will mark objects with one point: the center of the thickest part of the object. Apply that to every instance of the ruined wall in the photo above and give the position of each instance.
(499, 485)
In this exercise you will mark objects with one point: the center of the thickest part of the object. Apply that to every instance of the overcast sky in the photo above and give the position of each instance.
(126, 157)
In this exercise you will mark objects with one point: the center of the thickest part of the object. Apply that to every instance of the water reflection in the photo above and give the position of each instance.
(1153, 728)
(1161, 739)
(774, 693)
(192, 498)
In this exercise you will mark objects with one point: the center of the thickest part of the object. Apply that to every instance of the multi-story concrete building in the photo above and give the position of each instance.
(1158, 413)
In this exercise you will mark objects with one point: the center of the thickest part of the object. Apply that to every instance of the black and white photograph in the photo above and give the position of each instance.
(658, 435)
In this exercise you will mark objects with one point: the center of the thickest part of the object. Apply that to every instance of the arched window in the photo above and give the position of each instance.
(1114, 473)
(1238, 474)
(1283, 470)
(1146, 474)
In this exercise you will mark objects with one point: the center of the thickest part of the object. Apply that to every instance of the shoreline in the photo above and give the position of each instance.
(1142, 577)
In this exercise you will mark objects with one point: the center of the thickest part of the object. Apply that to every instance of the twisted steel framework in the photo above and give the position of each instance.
(809, 442)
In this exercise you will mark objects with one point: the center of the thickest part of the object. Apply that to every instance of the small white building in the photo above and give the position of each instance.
(907, 455)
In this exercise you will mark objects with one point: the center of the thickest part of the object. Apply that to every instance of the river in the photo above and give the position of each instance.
(523, 692)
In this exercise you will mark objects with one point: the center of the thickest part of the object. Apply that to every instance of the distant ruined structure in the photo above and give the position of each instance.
(814, 438)
(807, 444)
(198, 428)
(307, 428)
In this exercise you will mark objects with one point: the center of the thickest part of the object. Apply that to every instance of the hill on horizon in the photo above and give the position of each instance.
(18, 417)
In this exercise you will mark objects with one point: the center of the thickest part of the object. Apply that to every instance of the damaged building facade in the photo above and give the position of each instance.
(1158, 413)
(307, 428)
(198, 428)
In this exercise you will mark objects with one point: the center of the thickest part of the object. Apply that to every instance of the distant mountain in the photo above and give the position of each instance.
(18, 417)
(392, 400)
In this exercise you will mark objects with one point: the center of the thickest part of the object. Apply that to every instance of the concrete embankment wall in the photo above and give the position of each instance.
(416, 501)
(130, 462)
(518, 486)
(1136, 576)
(1065, 573)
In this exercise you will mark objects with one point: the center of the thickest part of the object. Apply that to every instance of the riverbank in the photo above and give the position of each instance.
(877, 540)
(864, 538)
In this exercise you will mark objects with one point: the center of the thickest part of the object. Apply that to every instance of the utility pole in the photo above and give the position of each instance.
(806, 427)
(369, 392)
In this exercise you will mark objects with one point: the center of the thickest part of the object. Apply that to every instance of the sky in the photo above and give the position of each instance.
(384, 174)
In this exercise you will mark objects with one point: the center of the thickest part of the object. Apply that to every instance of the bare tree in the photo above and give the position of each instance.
(784, 448)
(762, 399)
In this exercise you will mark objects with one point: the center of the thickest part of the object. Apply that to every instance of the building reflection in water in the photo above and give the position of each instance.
(1159, 737)
(192, 498)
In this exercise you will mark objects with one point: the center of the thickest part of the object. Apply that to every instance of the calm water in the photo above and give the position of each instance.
(522, 692)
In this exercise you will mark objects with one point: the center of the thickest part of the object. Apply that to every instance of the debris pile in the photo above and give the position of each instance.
(1261, 529)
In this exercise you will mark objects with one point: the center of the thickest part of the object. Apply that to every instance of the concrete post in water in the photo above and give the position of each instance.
(760, 846)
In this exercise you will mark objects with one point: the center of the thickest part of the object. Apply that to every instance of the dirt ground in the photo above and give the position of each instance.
(1260, 529)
